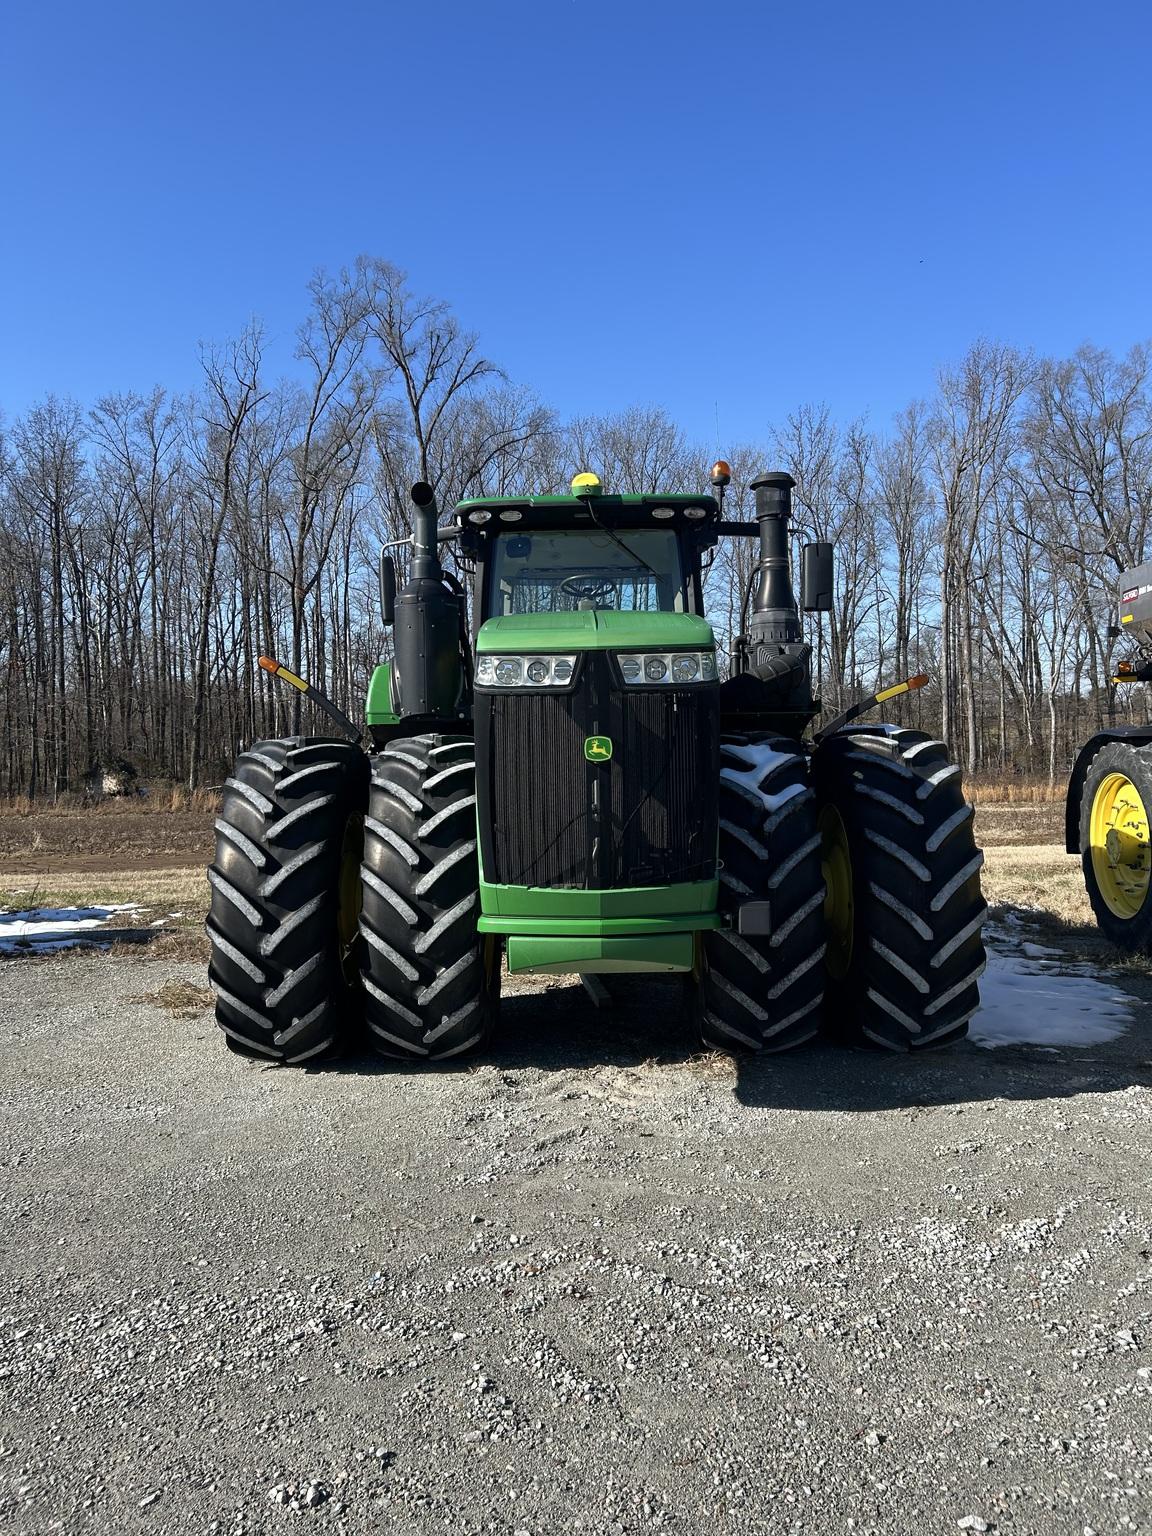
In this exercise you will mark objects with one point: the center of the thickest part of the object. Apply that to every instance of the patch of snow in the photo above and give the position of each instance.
(1027, 998)
(760, 758)
(43, 928)
(758, 755)
(1037, 951)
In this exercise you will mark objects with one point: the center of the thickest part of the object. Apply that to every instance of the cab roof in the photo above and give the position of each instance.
(567, 511)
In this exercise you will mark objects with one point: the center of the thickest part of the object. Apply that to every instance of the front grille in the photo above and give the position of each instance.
(550, 818)
(663, 787)
(532, 789)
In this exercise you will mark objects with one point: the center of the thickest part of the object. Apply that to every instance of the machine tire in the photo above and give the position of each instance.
(764, 994)
(905, 955)
(431, 982)
(1118, 887)
(282, 924)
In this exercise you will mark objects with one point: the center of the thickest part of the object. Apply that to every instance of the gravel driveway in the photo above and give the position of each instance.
(595, 1283)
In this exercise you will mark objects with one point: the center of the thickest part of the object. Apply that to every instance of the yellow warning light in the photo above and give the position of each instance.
(586, 484)
(721, 472)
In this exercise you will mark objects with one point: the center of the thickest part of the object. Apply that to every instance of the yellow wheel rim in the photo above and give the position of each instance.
(839, 905)
(1119, 839)
(349, 896)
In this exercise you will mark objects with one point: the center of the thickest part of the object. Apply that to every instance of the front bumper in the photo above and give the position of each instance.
(601, 956)
(646, 928)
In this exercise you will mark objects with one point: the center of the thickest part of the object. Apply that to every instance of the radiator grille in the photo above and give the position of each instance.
(537, 824)
(664, 785)
(549, 818)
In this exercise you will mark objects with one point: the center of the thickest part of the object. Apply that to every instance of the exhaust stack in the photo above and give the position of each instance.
(775, 616)
(775, 663)
(428, 666)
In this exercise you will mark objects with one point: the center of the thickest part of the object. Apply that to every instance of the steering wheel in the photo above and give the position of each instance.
(586, 586)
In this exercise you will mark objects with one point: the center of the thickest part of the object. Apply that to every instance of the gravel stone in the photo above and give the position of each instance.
(816, 1293)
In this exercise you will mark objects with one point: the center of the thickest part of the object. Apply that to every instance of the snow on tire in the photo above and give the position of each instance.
(764, 993)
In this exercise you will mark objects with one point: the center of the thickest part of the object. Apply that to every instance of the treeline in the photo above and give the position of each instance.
(151, 548)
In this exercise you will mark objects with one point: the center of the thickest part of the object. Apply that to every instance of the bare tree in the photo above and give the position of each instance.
(232, 378)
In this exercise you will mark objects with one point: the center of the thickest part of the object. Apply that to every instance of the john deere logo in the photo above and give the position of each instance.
(597, 749)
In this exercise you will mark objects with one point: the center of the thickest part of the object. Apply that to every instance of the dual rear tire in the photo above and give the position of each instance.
(285, 898)
(865, 855)
(344, 895)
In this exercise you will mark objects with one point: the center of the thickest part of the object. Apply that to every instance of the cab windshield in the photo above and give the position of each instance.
(631, 570)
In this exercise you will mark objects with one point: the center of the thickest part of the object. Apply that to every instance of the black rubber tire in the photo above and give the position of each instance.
(431, 982)
(1134, 933)
(911, 981)
(289, 822)
(764, 994)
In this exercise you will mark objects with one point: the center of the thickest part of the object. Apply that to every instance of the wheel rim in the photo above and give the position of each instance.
(839, 904)
(1119, 839)
(349, 896)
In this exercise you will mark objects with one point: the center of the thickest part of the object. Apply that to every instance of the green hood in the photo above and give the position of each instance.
(595, 630)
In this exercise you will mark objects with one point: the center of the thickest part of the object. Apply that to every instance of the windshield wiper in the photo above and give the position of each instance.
(655, 574)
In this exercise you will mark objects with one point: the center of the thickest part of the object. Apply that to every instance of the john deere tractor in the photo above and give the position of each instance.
(560, 781)
(1110, 793)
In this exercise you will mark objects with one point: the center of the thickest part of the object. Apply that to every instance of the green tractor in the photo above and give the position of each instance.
(560, 781)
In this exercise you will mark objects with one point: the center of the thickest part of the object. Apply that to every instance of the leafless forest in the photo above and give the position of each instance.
(154, 546)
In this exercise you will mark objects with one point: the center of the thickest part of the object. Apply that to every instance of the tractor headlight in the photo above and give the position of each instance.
(668, 667)
(524, 671)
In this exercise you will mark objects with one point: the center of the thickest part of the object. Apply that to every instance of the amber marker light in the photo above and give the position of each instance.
(909, 685)
(276, 670)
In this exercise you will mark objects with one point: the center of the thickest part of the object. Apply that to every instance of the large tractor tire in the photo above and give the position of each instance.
(285, 899)
(1114, 842)
(431, 982)
(904, 908)
(764, 994)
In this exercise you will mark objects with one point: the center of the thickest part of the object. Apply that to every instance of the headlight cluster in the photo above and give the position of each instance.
(525, 671)
(669, 667)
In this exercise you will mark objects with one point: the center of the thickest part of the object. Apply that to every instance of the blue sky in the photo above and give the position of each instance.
(727, 209)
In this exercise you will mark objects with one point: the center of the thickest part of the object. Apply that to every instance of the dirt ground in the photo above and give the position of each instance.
(595, 1282)
(111, 838)
(120, 836)
(120, 853)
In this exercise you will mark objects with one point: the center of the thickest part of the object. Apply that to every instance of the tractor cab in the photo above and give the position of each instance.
(586, 552)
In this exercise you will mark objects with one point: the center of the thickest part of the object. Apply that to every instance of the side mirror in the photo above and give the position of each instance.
(387, 589)
(816, 578)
